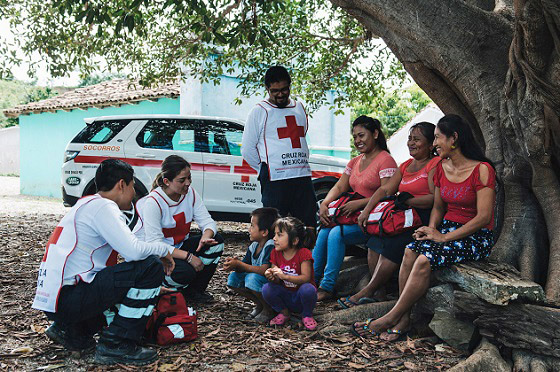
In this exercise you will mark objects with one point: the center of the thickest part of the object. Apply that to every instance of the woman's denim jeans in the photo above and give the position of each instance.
(329, 251)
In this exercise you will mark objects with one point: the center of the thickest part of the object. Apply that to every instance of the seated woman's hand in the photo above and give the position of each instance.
(362, 219)
(350, 207)
(429, 233)
(324, 214)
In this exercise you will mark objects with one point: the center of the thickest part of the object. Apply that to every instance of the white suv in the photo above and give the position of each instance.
(212, 145)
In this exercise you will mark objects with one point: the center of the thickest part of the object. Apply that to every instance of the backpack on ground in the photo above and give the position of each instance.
(171, 321)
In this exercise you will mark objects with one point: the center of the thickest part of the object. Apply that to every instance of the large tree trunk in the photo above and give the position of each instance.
(497, 64)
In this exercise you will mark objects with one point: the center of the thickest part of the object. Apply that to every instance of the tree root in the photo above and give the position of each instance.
(485, 358)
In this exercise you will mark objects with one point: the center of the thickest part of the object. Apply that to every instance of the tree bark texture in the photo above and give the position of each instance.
(518, 326)
(496, 64)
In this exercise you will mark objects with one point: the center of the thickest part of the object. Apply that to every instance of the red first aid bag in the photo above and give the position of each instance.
(171, 321)
(387, 219)
(335, 213)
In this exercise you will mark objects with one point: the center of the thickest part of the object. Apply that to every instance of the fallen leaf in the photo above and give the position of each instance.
(37, 328)
(238, 367)
(356, 365)
(440, 348)
(410, 365)
(213, 333)
(51, 367)
(22, 350)
(166, 367)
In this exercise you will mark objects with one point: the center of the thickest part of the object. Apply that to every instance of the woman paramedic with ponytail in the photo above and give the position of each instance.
(166, 214)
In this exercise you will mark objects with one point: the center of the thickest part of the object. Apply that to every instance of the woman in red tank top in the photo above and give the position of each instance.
(460, 227)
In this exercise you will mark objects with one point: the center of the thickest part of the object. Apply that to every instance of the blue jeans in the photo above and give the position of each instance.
(250, 281)
(329, 250)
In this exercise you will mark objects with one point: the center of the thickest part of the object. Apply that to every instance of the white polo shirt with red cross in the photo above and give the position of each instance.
(276, 136)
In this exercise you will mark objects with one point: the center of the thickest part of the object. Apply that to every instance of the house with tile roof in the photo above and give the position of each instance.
(47, 126)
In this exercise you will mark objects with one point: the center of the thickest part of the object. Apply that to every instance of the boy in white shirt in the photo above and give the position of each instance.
(79, 277)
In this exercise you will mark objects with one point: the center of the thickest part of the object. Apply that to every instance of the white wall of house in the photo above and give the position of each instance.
(397, 142)
(328, 134)
(9, 153)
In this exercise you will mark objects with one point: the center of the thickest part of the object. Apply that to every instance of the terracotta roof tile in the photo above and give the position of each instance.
(108, 93)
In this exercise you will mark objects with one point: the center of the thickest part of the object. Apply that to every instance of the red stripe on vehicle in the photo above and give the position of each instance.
(321, 174)
(217, 168)
(85, 159)
(134, 162)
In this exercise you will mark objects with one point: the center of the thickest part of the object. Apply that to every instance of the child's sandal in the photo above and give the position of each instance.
(309, 323)
(279, 320)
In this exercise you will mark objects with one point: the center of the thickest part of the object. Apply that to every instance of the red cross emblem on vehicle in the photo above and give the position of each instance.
(293, 131)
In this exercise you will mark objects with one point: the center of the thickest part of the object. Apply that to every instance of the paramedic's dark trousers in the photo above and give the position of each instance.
(185, 275)
(130, 286)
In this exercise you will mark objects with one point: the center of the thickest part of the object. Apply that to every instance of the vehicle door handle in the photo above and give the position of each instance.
(217, 162)
(146, 156)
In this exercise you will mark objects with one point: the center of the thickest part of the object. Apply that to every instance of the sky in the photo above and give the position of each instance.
(43, 77)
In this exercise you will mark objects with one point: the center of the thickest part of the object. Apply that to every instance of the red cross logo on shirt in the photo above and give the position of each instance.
(180, 230)
(292, 131)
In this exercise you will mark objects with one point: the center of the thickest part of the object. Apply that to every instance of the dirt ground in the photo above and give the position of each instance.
(226, 340)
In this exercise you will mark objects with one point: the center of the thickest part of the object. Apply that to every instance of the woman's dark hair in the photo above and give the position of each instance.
(110, 172)
(266, 217)
(276, 74)
(372, 124)
(170, 168)
(296, 229)
(427, 129)
(450, 124)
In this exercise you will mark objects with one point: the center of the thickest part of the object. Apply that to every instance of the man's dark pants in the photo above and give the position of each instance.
(295, 196)
(132, 285)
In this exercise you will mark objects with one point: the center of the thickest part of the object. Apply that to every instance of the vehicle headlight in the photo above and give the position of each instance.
(69, 155)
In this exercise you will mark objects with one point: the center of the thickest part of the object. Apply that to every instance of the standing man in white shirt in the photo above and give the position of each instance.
(79, 277)
(274, 145)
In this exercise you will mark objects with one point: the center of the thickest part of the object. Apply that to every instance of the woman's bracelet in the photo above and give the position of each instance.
(189, 257)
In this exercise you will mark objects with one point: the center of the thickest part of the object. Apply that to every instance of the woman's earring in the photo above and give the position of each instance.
(453, 147)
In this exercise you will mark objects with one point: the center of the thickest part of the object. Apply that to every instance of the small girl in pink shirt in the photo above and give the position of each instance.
(291, 286)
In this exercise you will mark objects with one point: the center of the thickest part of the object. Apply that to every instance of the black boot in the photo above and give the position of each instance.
(112, 349)
(69, 337)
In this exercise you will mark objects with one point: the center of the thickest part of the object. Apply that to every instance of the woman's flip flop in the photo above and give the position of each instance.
(346, 303)
(402, 335)
(370, 332)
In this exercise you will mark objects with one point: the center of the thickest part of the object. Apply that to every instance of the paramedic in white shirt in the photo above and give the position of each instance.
(166, 215)
(274, 145)
(79, 277)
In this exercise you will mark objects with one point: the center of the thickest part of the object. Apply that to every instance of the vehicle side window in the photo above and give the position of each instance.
(223, 137)
(167, 134)
(215, 137)
(233, 138)
(100, 131)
